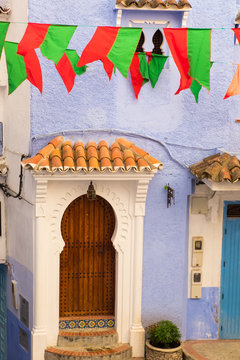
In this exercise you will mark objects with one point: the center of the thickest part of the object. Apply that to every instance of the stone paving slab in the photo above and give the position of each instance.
(212, 350)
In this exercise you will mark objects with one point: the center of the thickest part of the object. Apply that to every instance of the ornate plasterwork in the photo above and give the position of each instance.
(118, 205)
(126, 193)
(41, 196)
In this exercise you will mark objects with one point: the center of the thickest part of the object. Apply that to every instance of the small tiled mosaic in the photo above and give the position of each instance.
(82, 323)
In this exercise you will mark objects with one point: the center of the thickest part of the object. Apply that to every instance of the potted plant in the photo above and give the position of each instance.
(164, 342)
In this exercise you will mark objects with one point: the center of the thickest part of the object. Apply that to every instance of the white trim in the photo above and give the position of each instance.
(119, 18)
(223, 186)
(184, 20)
(126, 192)
(149, 8)
(39, 333)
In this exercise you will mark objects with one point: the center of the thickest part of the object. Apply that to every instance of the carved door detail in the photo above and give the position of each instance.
(87, 262)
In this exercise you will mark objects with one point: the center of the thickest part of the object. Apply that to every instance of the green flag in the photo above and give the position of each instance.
(74, 58)
(56, 41)
(15, 66)
(3, 32)
(155, 67)
(199, 53)
(196, 87)
(123, 49)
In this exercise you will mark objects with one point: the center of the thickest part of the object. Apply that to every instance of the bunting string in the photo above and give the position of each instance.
(115, 47)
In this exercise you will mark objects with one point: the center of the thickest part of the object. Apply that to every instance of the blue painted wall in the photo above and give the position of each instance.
(190, 131)
(203, 315)
(14, 349)
(24, 278)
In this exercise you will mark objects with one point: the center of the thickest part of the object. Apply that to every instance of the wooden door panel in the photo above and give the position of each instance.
(87, 263)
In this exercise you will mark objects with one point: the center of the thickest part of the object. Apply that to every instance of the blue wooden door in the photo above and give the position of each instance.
(3, 313)
(230, 273)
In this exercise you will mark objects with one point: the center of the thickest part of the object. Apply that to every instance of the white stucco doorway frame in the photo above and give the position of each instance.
(126, 193)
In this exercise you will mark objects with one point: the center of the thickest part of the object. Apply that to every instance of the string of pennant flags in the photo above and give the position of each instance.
(115, 47)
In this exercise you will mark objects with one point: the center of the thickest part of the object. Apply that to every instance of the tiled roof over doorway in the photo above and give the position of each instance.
(217, 168)
(159, 4)
(63, 155)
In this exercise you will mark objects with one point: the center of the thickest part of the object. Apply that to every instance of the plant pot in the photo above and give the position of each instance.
(154, 353)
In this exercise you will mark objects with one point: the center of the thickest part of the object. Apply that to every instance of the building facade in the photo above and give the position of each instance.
(170, 258)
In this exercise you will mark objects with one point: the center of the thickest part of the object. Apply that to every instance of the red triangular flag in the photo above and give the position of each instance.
(177, 42)
(139, 71)
(99, 47)
(65, 69)
(32, 39)
(137, 79)
(234, 88)
(33, 69)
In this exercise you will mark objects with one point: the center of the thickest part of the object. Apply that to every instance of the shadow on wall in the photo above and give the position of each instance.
(203, 315)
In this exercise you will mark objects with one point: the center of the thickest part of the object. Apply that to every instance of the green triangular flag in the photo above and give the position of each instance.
(196, 87)
(15, 66)
(199, 54)
(56, 41)
(123, 49)
(3, 32)
(74, 58)
(143, 67)
(155, 67)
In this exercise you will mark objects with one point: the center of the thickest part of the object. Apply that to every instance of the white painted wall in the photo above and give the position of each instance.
(15, 115)
(210, 227)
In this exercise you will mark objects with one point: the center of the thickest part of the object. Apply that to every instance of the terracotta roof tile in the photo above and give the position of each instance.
(93, 164)
(92, 152)
(44, 164)
(162, 4)
(57, 141)
(64, 156)
(115, 145)
(217, 168)
(81, 164)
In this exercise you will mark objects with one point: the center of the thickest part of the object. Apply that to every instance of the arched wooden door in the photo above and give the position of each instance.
(87, 262)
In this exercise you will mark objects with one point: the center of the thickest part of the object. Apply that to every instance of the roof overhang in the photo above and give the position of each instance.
(222, 186)
(149, 8)
(94, 175)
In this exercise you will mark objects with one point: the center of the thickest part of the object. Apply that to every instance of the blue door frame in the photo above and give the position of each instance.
(3, 313)
(230, 277)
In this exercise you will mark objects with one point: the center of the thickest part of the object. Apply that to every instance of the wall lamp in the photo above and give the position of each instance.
(91, 192)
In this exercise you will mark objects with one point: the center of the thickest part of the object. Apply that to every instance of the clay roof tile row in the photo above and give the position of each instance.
(64, 156)
(217, 168)
(164, 4)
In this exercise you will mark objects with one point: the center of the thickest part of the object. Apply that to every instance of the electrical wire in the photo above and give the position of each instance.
(9, 192)
(127, 133)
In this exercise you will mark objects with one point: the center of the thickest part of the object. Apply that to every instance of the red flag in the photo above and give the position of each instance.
(139, 71)
(65, 69)
(32, 39)
(177, 42)
(33, 69)
(136, 75)
(99, 47)
(234, 88)
(237, 33)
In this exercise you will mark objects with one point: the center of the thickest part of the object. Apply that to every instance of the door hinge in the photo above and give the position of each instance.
(225, 230)
(224, 264)
(221, 328)
(222, 296)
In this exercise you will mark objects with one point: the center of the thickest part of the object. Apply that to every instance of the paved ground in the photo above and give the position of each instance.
(212, 350)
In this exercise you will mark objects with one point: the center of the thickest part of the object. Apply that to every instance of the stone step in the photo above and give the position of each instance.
(113, 352)
(87, 337)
